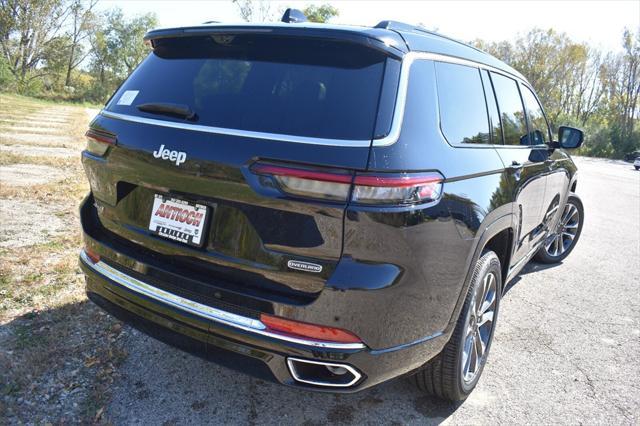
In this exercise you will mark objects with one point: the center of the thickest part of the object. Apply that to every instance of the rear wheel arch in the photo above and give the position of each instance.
(501, 244)
(497, 233)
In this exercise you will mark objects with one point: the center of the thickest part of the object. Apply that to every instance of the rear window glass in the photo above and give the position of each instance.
(290, 86)
(463, 111)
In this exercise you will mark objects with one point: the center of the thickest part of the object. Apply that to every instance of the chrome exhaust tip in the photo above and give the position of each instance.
(320, 373)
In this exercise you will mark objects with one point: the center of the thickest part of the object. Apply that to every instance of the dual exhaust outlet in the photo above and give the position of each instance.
(320, 373)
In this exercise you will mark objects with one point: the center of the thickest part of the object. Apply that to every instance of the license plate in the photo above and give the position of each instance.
(178, 220)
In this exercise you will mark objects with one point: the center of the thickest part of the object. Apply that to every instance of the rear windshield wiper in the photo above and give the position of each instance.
(166, 108)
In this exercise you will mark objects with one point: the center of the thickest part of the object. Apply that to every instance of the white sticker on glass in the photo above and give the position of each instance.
(128, 97)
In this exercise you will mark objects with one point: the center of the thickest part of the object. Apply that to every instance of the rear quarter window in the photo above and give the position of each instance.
(463, 110)
(280, 85)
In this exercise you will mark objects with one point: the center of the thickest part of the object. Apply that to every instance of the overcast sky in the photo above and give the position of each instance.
(598, 22)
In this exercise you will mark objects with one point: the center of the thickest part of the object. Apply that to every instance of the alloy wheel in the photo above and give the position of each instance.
(566, 232)
(479, 327)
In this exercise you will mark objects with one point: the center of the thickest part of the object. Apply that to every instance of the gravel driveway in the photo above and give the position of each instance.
(566, 348)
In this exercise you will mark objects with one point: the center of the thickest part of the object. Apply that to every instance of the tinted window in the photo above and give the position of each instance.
(463, 111)
(291, 86)
(492, 106)
(539, 130)
(514, 124)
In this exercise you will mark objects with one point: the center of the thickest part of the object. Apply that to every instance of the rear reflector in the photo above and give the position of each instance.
(312, 331)
(368, 188)
(93, 256)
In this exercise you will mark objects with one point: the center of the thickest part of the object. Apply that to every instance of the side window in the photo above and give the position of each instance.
(514, 123)
(492, 106)
(539, 129)
(463, 111)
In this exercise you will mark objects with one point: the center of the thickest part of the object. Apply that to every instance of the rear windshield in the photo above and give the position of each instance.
(289, 86)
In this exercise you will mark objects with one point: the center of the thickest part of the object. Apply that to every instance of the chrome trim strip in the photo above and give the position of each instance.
(403, 86)
(356, 374)
(242, 133)
(171, 299)
(390, 139)
(204, 311)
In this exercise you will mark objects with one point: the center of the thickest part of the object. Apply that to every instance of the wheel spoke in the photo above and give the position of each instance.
(486, 317)
(477, 354)
(467, 355)
(480, 346)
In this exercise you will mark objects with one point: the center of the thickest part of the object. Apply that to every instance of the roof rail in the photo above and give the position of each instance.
(401, 26)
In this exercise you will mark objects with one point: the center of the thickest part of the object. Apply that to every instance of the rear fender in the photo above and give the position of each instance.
(491, 230)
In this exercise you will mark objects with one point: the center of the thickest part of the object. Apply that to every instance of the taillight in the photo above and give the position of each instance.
(368, 188)
(398, 189)
(98, 141)
(311, 183)
(312, 331)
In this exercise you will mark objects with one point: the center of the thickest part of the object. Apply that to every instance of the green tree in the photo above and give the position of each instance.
(117, 48)
(321, 13)
(27, 29)
(82, 21)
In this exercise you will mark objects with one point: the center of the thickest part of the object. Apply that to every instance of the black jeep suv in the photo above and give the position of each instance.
(327, 207)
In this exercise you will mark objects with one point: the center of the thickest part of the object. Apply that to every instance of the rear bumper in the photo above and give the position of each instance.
(228, 335)
(240, 347)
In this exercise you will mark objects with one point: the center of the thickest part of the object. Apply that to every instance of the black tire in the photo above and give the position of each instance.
(443, 376)
(637, 167)
(544, 256)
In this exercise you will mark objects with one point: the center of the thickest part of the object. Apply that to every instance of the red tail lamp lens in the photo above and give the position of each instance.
(400, 189)
(312, 331)
(92, 255)
(308, 183)
(368, 188)
(99, 141)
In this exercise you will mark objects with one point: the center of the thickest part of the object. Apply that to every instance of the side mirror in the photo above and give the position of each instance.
(570, 137)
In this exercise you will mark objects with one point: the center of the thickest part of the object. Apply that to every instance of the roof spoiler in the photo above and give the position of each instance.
(389, 45)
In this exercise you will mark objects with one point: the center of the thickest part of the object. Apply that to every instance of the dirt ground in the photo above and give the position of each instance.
(58, 353)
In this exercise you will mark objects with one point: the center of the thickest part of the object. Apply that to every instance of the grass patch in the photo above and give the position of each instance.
(30, 101)
(7, 157)
(59, 352)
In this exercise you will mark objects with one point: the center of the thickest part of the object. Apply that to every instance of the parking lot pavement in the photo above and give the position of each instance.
(566, 348)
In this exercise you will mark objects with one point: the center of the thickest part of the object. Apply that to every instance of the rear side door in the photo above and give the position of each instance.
(525, 158)
(558, 176)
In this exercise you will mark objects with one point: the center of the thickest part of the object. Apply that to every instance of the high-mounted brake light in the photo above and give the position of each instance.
(307, 330)
(368, 188)
(99, 141)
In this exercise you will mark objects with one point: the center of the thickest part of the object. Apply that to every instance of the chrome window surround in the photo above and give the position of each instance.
(204, 311)
(390, 139)
(356, 374)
